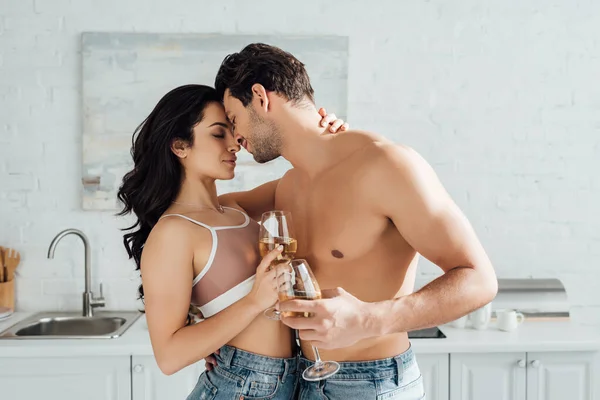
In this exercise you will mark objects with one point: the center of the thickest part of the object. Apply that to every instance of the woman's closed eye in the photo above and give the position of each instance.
(220, 134)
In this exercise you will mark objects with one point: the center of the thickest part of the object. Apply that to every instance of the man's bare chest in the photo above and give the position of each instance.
(333, 221)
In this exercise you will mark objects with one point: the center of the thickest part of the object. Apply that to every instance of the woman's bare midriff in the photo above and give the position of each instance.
(266, 337)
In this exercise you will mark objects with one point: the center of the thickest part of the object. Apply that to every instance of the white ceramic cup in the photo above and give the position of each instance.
(509, 320)
(460, 322)
(480, 318)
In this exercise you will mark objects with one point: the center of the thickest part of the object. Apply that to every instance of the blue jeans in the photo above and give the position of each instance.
(394, 378)
(243, 375)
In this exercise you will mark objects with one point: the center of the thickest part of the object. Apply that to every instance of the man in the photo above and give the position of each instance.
(363, 208)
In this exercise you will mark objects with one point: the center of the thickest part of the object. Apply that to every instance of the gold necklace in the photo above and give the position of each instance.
(219, 207)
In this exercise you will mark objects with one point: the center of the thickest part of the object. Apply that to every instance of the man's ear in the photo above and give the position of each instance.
(260, 97)
(179, 148)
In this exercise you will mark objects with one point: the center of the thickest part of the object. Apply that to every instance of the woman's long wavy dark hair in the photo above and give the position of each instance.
(154, 182)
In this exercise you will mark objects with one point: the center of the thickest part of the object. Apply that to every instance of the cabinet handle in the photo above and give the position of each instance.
(535, 363)
(521, 363)
(138, 368)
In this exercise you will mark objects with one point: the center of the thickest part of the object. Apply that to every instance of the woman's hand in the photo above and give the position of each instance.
(337, 125)
(264, 291)
(263, 294)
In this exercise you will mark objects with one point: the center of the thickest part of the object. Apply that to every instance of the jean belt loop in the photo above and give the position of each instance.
(227, 354)
(399, 370)
(285, 371)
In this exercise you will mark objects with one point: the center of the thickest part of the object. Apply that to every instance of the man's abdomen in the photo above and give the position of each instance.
(364, 350)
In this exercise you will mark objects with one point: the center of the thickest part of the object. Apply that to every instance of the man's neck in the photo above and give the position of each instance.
(305, 142)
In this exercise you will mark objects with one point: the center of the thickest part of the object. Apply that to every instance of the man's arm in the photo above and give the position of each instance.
(255, 201)
(412, 196)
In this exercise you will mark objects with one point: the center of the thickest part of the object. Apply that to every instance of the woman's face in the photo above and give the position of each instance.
(213, 153)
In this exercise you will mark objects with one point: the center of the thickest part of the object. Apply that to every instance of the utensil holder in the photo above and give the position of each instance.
(7, 294)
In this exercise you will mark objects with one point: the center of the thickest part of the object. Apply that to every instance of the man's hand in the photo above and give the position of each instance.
(338, 320)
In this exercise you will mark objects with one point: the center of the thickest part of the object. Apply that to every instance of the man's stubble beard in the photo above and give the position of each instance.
(266, 139)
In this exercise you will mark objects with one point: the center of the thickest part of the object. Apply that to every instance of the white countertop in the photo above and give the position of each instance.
(530, 336)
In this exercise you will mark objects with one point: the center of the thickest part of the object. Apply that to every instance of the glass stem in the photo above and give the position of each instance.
(317, 356)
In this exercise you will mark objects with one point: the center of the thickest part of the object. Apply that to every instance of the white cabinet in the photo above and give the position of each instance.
(563, 376)
(149, 383)
(435, 371)
(455, 376)
(490, 376)
(65, 378)
(525, 376)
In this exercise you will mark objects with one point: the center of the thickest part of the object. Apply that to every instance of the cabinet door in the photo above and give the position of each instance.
(65, 378)
(435, 371)
(149, 383)
(563, 376)
(489, 376)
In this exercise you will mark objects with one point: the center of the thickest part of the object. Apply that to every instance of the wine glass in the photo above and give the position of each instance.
(277, 228)
(295, 280)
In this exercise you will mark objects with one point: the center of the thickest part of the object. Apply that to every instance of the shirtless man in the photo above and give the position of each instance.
(363, 208)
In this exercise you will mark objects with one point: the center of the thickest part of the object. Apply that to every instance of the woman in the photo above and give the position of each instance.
(190, 248)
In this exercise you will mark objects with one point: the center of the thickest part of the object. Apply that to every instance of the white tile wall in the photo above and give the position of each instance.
(499, 96)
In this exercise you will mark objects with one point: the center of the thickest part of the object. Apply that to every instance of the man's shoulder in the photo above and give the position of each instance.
(379, 151)
(383, 162)
(290, 173)
(287, 179)
(360, 138)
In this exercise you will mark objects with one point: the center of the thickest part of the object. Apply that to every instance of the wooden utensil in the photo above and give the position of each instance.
(2, 264)
(7, 294)
(7, 288)
(11, 262)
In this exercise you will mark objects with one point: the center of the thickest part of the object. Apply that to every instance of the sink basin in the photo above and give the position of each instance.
(72, 325)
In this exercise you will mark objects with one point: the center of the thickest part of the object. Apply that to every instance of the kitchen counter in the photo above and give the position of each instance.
(135, 341)
(530, 336)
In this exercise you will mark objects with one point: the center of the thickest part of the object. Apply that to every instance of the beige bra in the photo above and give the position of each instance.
(231, 267)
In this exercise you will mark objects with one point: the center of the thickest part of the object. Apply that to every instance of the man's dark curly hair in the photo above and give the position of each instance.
(273, 68)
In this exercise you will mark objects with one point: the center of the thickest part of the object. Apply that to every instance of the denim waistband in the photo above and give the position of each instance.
(229, 356)
(373, 369)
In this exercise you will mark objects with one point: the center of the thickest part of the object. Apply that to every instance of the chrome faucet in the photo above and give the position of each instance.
(89, 301)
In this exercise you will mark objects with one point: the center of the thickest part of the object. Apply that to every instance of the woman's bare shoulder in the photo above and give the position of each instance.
(172, 228)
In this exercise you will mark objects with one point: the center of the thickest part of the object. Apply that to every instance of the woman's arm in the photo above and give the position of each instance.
(167, 276)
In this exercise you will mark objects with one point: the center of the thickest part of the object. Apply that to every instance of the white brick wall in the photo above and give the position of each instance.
(498, 96)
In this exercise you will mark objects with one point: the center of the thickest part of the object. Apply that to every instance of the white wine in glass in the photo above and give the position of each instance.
(289, 248)
(277, 228)
(295, 280)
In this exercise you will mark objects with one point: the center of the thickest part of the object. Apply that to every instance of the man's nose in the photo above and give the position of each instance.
(238, 138)
(234, 146)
